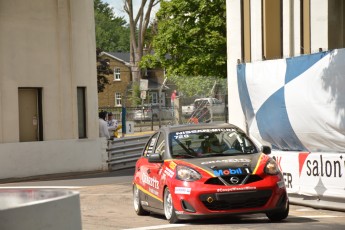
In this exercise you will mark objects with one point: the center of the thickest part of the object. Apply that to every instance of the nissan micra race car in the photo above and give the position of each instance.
(207, 170)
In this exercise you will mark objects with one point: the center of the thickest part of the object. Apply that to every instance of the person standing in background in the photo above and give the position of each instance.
(103, 126)
(173, 97)
(112, 125)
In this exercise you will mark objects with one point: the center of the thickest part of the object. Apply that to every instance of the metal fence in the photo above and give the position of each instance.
(183, 110)
(124, 152)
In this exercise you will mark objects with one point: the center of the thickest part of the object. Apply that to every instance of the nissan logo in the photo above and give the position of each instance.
(234, 180)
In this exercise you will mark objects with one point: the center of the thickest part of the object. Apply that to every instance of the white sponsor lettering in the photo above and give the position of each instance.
(153, 182)
(182, 190)
(154, 192)
(169, 172)
(235, 189)
(227, 161)
(204, 131)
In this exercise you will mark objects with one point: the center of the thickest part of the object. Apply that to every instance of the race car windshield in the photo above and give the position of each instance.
(210, 143)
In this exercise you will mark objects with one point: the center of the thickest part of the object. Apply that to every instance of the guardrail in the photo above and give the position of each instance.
(124, 152)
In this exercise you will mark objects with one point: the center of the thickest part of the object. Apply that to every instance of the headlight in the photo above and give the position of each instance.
(271, 167)
(186, 173)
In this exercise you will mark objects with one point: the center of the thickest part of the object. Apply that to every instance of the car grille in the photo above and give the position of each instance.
(235, 200)
(229, 180)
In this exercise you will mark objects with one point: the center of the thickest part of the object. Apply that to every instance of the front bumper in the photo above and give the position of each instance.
(210, 200)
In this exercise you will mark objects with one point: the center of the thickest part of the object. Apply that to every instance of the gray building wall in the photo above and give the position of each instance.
(48, 45)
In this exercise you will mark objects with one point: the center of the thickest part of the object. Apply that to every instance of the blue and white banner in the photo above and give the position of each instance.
(296, 104)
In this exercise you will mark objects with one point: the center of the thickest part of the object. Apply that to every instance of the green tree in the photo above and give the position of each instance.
(112, 32)
(200, 85)
(103, 69)
(191, 38)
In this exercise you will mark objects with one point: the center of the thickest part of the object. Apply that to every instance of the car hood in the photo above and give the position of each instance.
(244, 164)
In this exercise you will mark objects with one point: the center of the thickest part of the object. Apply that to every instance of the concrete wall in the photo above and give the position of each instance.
(50, 45)
(50, 157)
(291, 28)
(234, 52)
(319, 25)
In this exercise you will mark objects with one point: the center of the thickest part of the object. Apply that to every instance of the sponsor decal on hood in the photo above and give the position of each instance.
(227, 165)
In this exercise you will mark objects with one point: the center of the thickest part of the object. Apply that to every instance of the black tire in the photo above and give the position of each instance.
(169, 209)
(137, 202)
(278, 215)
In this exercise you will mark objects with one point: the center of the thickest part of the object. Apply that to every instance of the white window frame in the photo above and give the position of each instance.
(118, 99)
(154, 97)
(117, 74)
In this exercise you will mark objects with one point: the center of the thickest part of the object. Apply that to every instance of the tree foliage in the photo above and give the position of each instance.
(200, 85)
(103, 69)
(191, 38)
(112, 32)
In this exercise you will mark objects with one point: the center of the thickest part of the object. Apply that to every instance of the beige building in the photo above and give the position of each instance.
(120, 80)
(273, 29)
(119, 89)
(48, 89)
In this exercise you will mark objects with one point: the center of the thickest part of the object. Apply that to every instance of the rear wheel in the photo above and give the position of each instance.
(169, 209)
(279, 215)
(137, 202)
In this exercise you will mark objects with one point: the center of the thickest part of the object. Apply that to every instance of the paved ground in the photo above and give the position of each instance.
(110, 207)
(106, 204)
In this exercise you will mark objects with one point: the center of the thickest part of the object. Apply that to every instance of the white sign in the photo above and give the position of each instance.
(129, 127)
(144, 84)
(143, 94)
(312, 174)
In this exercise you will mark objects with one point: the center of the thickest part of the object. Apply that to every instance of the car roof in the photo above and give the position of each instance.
(186, 127)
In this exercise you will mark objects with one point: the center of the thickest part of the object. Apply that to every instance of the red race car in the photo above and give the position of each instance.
(207, 170)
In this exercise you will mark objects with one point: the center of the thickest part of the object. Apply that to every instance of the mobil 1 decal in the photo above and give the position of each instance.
(231, 171)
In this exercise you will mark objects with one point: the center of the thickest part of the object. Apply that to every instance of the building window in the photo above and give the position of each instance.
(30, 114)
(245, 30)
(305, 27)
(118, 99)
(272, 29)
(117, 75)
(154, 97)
(81, 112)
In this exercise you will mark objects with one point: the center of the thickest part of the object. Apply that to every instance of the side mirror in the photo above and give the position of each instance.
(266, 149)
(155, 158)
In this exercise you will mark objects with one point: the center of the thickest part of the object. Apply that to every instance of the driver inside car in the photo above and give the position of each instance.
(212, 145)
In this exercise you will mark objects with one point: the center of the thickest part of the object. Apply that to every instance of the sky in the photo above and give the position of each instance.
(117, 6)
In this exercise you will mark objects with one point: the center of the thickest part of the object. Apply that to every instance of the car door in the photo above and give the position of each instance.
(141, 176)
(148, 175)
(156, 176)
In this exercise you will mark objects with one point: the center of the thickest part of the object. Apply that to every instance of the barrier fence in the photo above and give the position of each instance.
(124, 152)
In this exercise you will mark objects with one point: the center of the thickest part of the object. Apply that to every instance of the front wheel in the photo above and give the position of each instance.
(137, 202)
(279, 215)
(169, 209)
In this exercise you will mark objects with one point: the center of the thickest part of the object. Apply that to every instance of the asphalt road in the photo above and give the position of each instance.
(106, 204)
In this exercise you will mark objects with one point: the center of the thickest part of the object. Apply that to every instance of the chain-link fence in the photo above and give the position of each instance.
(184, 110)
(209, 106)
(202, 109)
